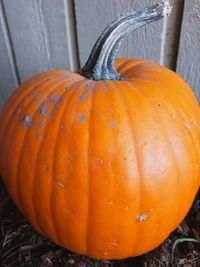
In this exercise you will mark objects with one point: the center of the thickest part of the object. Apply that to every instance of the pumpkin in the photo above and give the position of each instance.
(105, 162)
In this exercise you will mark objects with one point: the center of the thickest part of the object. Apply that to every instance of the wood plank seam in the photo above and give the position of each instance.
(44, 31)
(72, 34)
(170, 35)
(9, 44)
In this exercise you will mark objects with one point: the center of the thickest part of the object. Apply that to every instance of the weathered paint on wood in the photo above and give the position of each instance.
(170, 35)
(188, 64)
(41, 35)
(155, 41)
(8, 73)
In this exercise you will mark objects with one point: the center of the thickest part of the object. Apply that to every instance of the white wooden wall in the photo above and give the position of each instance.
(37, 35)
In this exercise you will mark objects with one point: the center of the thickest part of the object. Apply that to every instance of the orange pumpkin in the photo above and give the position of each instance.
(107, 165)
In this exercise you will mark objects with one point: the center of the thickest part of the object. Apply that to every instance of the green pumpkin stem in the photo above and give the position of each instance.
(100, 64)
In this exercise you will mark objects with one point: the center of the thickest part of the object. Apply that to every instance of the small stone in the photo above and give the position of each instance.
(71, 261)
(182, 261)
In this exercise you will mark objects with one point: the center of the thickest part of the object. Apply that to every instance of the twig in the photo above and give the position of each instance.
(180, 240)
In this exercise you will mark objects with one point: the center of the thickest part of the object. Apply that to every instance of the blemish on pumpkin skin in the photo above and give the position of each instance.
(97, 162)
(82, 96)
(110, 202)
(27, 121)
(123, 178)
(63, 128)
(70, 211)
(114, 243)
(39, 124)
(43, 109)
(109, 165)
(188, 126)
(66, 76)
(173, 115)
(113, 124)
(60, 184)
(55, 99)
(143, 144)
(105, 253)
(95, 87)
(82, 118)
(150, 210)
(51, 114)
(141, 218)
(38, 135)
(45, 168)
(68, 87)
(74, 85)
(26, 147)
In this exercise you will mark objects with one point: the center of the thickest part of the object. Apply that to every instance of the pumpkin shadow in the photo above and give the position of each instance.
(5, 200)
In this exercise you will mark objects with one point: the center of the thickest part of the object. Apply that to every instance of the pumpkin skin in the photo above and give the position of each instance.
(103, 168)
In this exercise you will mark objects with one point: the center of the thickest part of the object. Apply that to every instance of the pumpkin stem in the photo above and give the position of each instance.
(100, 64)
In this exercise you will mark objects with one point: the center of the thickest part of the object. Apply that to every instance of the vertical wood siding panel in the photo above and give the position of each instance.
(188, 64)
(39, 30)
(8, 76)
(170, 35)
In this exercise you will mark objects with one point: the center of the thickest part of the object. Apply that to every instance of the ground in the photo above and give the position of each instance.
(21, 245)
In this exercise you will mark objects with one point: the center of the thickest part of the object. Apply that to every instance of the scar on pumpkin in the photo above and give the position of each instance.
(110, 202)
(45, 168)
(82, 118)
(38, 135)
(43, 109)
(113, 124)
(27, 121)
(142, 217)
(60, 184)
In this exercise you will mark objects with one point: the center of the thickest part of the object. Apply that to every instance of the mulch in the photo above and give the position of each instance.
(21, 245)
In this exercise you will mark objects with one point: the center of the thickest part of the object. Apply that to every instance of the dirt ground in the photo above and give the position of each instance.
(21, 245)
